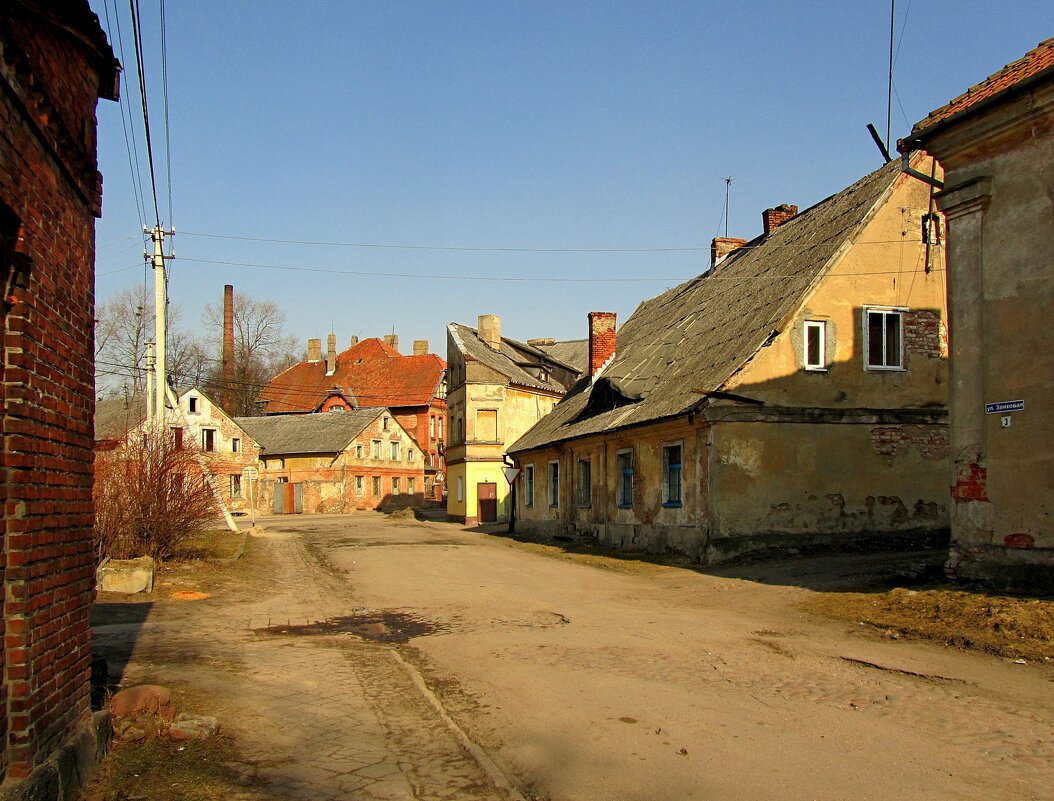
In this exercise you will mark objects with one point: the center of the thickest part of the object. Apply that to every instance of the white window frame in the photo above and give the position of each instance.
(528, 485)
(209, 440)
(620, 480)
(235, 486)
(554, 484)
(900, 311)
(377, 487)
(666, 475)
(236, 445)
(375, 449)
(411, 485)
(394, 445)
(360, 486)
(396, 486)
(820, 327)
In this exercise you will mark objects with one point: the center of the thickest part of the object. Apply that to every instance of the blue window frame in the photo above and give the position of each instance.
(671, 475)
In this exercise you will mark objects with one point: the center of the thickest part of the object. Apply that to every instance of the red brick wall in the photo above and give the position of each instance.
(48, 181)
(415, 419)
(601, 339)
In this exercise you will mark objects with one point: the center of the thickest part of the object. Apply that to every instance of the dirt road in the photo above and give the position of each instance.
(363, 657)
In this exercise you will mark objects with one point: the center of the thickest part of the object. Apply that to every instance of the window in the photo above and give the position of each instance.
(884, 339)
(192, 405)
(432, 427)
(487, 425)
(409, 454)
(395, 451)
(528, 485)
(177, 438)
(360, 486)
(384, 423)
(236, 487)
(395, 485)
(411, 485)
(583, 485)
(236, 445)
(208, 439)
(376, 486)
(554, 484)
(440, 423)
(815, 345)
(358, 451)
(460, 488)
(671, 475)
(375, 452)
(624, 466)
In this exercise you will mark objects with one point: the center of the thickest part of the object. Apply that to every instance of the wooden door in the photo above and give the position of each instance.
(487, 502)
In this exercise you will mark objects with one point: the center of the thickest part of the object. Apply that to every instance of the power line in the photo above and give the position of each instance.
(137, 36)
(164, 87)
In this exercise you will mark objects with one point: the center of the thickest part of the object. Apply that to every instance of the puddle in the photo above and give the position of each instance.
(396, 627)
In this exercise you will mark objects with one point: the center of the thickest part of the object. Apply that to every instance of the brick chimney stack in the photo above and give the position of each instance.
(601, 340)
(774, 218)
(392, 341)
(354, 342)
(331, 354)
(721, 247)
(489, 328)
(314, 350)
(228, 347)
(420, 347)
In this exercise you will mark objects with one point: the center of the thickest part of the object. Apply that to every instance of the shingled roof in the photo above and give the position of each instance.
(370, 373)
(696, 336)
(285, 434)
(1013, 76)
(511, 359)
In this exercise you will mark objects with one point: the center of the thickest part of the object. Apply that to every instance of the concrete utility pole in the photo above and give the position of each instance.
(157, 234)
(150, 414)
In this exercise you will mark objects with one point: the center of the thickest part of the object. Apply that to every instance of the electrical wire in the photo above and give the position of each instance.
(137, 36)
(164, 87)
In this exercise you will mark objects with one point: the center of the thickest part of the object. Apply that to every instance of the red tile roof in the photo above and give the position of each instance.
(1029, 65)
(370, 373)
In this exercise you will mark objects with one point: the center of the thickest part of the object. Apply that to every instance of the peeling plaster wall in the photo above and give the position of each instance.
(795, 486)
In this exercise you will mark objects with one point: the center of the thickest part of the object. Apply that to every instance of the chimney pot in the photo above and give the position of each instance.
(420, 347)
(489, 328)
(331, 354)
(354, 341)
(541, 341)
(774, 218)
(723, 246)
(601, 340)
(314, 350)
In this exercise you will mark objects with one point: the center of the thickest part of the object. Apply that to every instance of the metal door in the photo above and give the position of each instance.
(487, 501)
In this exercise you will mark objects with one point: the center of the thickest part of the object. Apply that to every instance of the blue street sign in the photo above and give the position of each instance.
(1004, 406)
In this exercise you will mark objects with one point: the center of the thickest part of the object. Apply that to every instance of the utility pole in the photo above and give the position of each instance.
(157, 234)
(150, 414)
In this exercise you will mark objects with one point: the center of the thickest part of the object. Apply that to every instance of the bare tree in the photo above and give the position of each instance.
(262, 348)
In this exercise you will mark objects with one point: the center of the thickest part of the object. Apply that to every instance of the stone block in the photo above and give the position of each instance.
(126, 576)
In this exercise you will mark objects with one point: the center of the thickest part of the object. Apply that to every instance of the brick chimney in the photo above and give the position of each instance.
(392, 341)
(314, 350)
(420, 347)
(489, 328)
(354, 342)
(541, 341)
(601, 340)
(331, 354)
(774, 218)
(721, 247)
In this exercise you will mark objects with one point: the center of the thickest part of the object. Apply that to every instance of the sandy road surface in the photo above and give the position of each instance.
(456, 665)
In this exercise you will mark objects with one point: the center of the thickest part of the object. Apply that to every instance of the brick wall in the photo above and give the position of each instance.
(601, 339)
(925, 334)
(929, 440)
(49, 185)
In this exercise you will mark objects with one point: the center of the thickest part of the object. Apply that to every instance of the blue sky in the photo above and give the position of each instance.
(480, 137)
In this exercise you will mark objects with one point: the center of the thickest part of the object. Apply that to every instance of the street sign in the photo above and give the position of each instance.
(1004, 406)
(510, 473)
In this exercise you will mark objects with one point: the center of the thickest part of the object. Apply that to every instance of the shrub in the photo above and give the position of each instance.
(150, 496)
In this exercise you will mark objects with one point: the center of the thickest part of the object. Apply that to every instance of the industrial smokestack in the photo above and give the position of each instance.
(228, 347)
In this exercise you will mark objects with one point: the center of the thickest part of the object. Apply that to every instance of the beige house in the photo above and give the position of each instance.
(499, 388)
(996, 146)
(791, 398)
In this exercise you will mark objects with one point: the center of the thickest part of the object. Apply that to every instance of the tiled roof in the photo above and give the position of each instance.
(1028, 66)
(695, 337)
(370, 372)
(572, 352)
(331, 432)
(511, 359)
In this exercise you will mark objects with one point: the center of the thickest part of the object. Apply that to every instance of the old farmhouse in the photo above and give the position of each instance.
(792, 397)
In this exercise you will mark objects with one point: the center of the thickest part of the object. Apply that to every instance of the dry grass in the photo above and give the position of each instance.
(168, 770)
(1017, 628)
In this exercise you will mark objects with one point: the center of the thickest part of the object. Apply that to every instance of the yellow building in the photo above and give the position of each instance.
(499, 388)
(791, 398)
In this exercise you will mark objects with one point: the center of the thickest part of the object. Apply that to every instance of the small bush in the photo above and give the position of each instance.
(150, 496)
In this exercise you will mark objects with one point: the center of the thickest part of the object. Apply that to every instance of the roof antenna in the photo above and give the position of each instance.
(728, 183)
